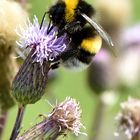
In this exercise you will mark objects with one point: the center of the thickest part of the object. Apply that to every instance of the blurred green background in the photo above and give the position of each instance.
(73, 84)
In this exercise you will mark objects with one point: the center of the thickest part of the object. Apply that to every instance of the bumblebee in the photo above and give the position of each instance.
(74, 18)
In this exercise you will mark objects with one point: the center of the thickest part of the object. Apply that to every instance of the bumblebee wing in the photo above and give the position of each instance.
(101, 32)
(98, 29)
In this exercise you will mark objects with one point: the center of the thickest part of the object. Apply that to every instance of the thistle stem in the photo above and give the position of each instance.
(3, 118)
(47, 130)
(18, 122)
(136, 138)
(97, 119)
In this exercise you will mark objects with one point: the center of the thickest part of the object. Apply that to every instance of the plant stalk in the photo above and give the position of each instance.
(97, 122)
(136, 138)
(3, 118)
(18, 122)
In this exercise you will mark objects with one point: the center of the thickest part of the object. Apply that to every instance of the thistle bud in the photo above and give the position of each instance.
(41, 49)
(100, 73)
(64, 118)
(129, 118)
(29, 84)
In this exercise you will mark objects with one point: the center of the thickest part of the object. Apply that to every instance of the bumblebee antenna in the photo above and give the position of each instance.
(50, 27)
(43, 18)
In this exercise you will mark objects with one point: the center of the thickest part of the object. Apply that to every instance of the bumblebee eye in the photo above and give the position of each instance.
(50, 16)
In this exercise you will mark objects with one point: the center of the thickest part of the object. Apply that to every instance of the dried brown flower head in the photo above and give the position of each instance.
(65, 117)
(129, 118)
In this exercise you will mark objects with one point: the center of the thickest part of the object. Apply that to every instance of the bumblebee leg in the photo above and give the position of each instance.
(55, 65)
(69, 53)
(43, 115)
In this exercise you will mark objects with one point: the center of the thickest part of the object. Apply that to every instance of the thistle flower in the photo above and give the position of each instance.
(46, 46)
(65, 117)
(129, 118)
(128, 66)
(41, 49)
(134, 40)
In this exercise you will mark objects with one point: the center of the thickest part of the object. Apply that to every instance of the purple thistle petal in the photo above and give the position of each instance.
(47, 46)
(131, 36)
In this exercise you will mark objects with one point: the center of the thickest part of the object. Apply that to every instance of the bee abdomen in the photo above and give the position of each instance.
(92, 45)
(85, 57)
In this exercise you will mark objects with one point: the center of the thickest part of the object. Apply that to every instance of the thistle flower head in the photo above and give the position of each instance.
(134, 40)
(41, 49)
(68, 114)
(64, 117)
(47, 46)
(129, 118)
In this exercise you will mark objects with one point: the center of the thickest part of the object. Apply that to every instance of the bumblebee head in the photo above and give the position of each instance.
(56, 14)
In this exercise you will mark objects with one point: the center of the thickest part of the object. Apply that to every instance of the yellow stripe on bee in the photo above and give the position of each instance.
(92, 45)
(70, 9)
